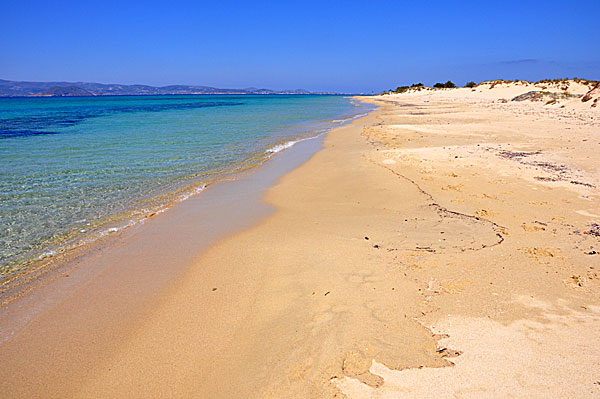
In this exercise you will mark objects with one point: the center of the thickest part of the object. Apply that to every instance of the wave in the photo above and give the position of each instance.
(288, 144)
(350, 119)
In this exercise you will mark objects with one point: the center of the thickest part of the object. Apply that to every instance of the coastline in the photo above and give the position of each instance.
(380, 245)
(117, 280)
(75, 238)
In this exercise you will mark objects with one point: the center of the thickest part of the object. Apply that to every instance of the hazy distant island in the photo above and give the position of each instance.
(82, 89)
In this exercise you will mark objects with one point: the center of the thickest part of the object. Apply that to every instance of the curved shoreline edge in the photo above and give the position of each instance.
(41, 262)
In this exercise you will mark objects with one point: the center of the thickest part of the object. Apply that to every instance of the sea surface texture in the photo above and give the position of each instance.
(75, 169)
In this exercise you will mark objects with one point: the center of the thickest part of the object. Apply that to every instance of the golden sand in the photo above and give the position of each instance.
(442, 246)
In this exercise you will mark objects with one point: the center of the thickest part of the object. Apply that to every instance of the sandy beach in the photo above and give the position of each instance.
(445, 246)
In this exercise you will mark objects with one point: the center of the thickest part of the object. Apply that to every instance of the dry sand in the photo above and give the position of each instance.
(442, 246)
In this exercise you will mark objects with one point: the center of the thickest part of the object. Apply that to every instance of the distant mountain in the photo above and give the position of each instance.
(65, 91)
(59, 89)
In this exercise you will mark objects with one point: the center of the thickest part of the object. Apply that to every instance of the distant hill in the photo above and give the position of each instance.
(58, 89)
(65, 91)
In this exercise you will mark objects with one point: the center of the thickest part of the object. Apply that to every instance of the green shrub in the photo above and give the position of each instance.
(471, 84)
(449, 85)
(414, 85)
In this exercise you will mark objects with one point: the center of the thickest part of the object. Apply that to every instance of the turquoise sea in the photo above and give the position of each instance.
(76, 169)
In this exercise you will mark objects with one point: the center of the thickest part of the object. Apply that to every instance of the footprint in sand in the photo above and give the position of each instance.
(341, 308)
(539, 203)
(484, 213)
(374, 278)
(575, 281)
(458, 188)
(485, 196)
(455, 287)
(362, 276)
(381, 312)
(530, 228)
(384, 314)
(542, 252)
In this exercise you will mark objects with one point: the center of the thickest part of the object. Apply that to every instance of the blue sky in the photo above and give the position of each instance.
(316, 45)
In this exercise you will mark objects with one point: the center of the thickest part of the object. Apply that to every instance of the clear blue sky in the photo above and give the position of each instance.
(317, 45)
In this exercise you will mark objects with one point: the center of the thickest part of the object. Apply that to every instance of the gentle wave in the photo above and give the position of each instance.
(284, 146)
(351, 118)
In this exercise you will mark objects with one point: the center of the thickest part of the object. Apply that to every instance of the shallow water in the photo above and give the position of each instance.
(75, 169)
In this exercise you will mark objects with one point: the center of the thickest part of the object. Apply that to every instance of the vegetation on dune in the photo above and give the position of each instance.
(544, 83)
(448, 85)
(417, 87)
(551, 81)
(574, 79)
(403, 89)
(539, 82)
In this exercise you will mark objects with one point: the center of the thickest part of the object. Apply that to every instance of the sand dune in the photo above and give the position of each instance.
(564, 92)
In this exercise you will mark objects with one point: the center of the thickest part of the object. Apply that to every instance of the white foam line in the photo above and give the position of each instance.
(280, 147)
(284, 146)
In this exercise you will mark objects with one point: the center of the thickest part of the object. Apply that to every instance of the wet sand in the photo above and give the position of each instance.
(440, 248)
(56, 329)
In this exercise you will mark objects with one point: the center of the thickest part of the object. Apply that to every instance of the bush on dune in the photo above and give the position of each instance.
(544, 83)
(403, 89)
(420, 86)
(448, 85)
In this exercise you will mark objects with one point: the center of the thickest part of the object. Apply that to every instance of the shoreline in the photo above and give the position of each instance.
(380, 272)
(74, 244)
(98, 281)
